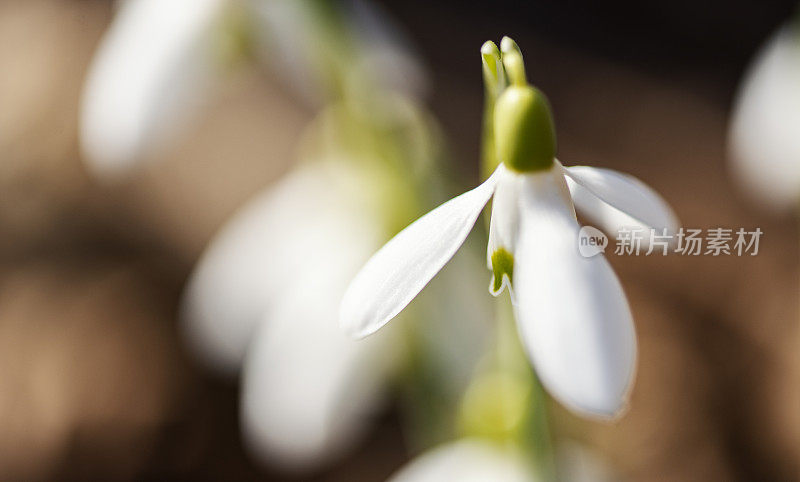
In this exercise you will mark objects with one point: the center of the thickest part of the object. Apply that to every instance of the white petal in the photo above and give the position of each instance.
(399, 271)
(613, 200)
(149, 71)
(466, 461)
(572, 314)
(284, 232)
(764, 134)
(308, 390)
(503, 226)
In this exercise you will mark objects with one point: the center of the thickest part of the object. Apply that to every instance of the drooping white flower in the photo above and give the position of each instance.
(156, 63)
(765, 128)
(259, 254)
(263, 299)
(150, 71)
(571, 311)
(469, 460)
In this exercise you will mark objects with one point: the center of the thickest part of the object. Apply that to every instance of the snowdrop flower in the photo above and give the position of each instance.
(468, 460)
(765, 127)
(572, 314)
(150, 71)
(263, 299)
(157, 62)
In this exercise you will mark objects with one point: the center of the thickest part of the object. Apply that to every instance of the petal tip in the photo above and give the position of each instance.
(605, 413)
(353, 324)
(356, 333)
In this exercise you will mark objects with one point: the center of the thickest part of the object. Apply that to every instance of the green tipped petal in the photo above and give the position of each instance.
(502, 264)
(525, 137)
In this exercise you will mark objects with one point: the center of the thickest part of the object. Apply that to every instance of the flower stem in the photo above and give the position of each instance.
(541, 441)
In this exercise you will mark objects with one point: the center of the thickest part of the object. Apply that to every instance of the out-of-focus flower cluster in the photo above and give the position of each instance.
(263, 298)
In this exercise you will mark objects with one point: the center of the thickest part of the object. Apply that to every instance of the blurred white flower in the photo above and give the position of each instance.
(266, 292)
(468, 460)
(158, 59)
(572, 313)
(480, 460)
(149, 73)
(308, 390)
(258, 256)
(765, 127)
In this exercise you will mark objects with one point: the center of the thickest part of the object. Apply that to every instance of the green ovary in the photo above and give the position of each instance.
(524, 134)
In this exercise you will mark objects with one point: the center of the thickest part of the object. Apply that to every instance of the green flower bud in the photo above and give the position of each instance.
(525, 137)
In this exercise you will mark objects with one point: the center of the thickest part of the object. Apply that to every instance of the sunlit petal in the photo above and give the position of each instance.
(150, 70)
(466, 461)
(613, 200)
(573, 316)
(399, 271)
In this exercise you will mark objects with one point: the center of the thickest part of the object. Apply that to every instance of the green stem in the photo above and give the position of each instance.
(541, 441)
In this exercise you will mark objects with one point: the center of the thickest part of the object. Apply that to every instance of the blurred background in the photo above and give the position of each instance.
(96, 380)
